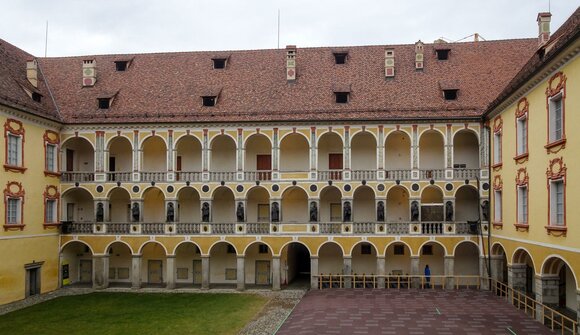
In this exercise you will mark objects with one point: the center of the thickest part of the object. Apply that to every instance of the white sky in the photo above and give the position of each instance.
(84, 27)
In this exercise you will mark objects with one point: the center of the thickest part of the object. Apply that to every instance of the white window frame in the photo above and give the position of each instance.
(51, 166)
(497, 149)
(14, 147)
(13, 210)
(522, 135)
(498, 206)
(553, 122)
(557, 205)
(523, 196)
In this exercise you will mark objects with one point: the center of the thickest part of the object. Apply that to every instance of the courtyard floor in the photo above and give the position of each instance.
(407, 312)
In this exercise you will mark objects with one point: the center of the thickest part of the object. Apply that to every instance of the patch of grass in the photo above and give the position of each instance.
(136, 313)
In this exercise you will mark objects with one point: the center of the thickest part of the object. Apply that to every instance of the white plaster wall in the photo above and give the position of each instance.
(223, 206)
(435, 261)
(255, 197)
(329, 143)
(330, 259)
(398, 151)
(256, 145)
(120, 148)
(153, 251)
(431, 151)
(154, 155)
(466, 204)
(364, 205)
(184, 257)
(153, 206)
(189, 148)
(364, 264)
(252, 255)
(189, 206)
(466, 149)
(397, 262)
(219, 261)
(120, 257)
(294, 153)
(84, 205)
(397, 205)
(363, 152)
(466, 260)
(330, 195)
(119, 202)
(294, 206)
(571, 294)
(223, 154)
(84, 156)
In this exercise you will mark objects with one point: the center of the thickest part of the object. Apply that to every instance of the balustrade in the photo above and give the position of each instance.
(432, 228)
(465, 173)
(188, 176)
(76, 176)
(364, 175)
(258, 228)
(432, 174)
(330, 227)
(148, 228)
(329, 174)
(398, 174)
(118, 228)
(222, 176)
(363, 227)
(223, 228)
(118, 176)
(154, 176)
(258, 175)
(188, 228)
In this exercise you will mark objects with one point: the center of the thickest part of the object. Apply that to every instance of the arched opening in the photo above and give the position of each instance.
(120, 162)
(364, 262)
(153, 205)
(398, 259)
(78, 205)
(258, 160)
(523, 273)
(258, 207)
(188, 159)
(78, 160)
(330, 259)
(432, 254)
(223, 206)
(363, 156)
(120, 205)
(397, 154)
(466, 204)
(77, 258)
(364, 205)
(153, 265)
(465, 150)
(431, 152)
(397, 204)
(295, 264)
(466, 260)
(330, 204)
(154, 155)
(432, 204)
(556, 272)
(120, 258)
(223, 264)
(258, 265)
(330, 157)
(189, 210)
(294, 153)
(294, 205)
(188, 265)
(499, 270)
(223, 155)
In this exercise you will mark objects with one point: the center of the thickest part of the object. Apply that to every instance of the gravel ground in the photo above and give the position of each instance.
(267, 322)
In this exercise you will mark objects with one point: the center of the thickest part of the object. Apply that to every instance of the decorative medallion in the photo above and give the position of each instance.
(522, 108)
(522, 177)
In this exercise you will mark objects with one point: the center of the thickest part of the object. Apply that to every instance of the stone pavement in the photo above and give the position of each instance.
(399, 312)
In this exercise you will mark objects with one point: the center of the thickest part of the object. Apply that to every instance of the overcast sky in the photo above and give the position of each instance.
(134, 26)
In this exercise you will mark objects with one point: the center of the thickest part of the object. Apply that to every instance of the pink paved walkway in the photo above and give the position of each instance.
(407, 312)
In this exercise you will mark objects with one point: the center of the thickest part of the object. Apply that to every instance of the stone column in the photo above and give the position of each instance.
(381, 271)
(314, 272)
(136, 272)
(275, 151)
(313, 149)
(449, 270)
(483, 273)
(276, 273)
(99, 151)
(547, 292)
(415, 148)
(205, 272)
(381, 149)
(449, 147)
(240, 150)
(578, 306)
(347, 270)
(346, 149)
(100, 271)
(517, 277)
(170, 272)
(241, 272)
(415, 271)
(497, 265)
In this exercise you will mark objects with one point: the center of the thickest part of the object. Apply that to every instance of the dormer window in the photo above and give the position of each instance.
(121, 65)
(219, 63)
(209, 101)
(104, 103)
(442, 54)
(341, 97)
(450, 94)
(340, 57)
(36, 96)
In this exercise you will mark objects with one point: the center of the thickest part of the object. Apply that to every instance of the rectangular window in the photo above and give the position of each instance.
(497, 148)
(14, 150)
(341, 97)
(50, 215)
(555, 118)
(522, 130)
(523, 204)
(13, 211)
(51, 157)
(497, 217)
(557, 203)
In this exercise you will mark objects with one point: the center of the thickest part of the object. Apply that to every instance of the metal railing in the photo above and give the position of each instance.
(329, 174)
(222, 176)
(154, 176)
(432, 174)
(118, 176)
(363, 174)
(406, 281)
(398, 174)
(188, 176)
(257, 175)
(77, 176)
(465, 173)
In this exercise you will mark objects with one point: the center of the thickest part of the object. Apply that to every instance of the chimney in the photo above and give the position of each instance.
(290, 63)
(543, 28)
(89, 72)
(32, 72)
(389, 63)
(419, 55)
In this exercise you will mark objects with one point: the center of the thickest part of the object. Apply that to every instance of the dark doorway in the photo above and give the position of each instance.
(297, 269)
(562, 288)
(70, 160)
(32, 279)
(112, 164)
(264, 166)
(335, 161)
(529, 280)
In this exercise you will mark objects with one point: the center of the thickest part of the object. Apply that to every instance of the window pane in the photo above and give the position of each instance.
(498, 205)
(50, 206)
(12, 215)
(557, 120)
(50, 157)
(559, 188)
(13, 150)
(522, 204)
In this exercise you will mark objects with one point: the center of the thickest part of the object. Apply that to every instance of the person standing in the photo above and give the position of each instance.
(427, 276)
